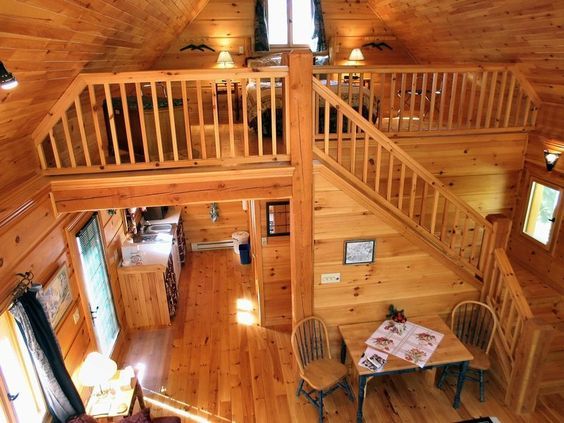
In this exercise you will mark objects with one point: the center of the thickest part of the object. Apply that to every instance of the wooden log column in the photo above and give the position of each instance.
(300, 64)
(499, 239)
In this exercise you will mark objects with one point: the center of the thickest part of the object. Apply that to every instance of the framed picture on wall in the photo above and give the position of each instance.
(56, 296)
(359, 251)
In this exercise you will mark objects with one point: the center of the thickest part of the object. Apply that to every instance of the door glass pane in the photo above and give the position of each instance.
(541, 210)
(19, 374)
(277, 22)
(302, 22)
(97, 284)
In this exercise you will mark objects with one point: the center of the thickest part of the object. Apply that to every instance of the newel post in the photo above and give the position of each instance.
(499, 239)
(300, 69)
(524, 382)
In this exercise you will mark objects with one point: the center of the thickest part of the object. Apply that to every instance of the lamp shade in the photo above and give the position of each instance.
(7, 80)
(96, 369)
(356, 55)
(551, 158)
(225, 58)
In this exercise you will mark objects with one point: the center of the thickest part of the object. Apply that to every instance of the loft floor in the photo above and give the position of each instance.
(214, 369)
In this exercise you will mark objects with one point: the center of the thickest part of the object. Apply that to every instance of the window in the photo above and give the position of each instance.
(278, 218)
(290, 23)
(18, 374)
(540, 217)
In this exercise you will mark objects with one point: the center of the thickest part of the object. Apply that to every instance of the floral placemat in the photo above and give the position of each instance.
(409, 341)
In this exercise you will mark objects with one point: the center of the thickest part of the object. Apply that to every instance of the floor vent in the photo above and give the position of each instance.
(212, 245)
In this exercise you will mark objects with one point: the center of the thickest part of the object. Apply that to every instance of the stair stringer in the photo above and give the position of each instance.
(380, 207)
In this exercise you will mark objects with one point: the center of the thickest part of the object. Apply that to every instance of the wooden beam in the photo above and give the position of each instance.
(135, 189)
(301, 221)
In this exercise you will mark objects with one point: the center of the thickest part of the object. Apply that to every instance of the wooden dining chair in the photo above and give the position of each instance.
(322, 373)
(474, 323)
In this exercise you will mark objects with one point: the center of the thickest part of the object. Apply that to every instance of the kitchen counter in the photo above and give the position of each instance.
(151, 253)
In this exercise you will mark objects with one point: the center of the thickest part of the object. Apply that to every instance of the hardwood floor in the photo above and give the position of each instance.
(207, 367)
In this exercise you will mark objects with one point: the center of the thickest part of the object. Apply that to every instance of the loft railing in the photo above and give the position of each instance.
(420, 99)
(521, 342)
(159, 119)
(408, 190)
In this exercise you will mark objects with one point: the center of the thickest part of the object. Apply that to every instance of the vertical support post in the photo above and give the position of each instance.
(523, 387)
(498, 239)
(300, 71)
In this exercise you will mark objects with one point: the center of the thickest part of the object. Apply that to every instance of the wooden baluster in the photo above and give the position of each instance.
(434, 212)
(392, 101)
(390, 176)
(454, 230)
(500, 100)
(215, 114)
(519, 105)
(470, 113)
(365, 160)
(401, 184)
(412, 101)
(462, 98)
(463, 237)
(286, 111)
(412, 195)
(361, 93)
(493, 86)
(506, 299)
(201, 119)
(442, 100)
(527, 111)
(371, 101)
(94, 110)
(127, 122)
(83, 138)
(111, 118)
(68, 139)
(353, 147)
(401, 100)
(452, 101)
(381, 100)
(339, 136)
(140, 109)
(273, 115)
(41, 155)
(55, 149)
(444, 223)
(157, 121)
(187, 127)
(315, 112)
(259, 116)
(172, 121)
(433, 99)
(517, 333)
(423, 100)
(475, 244)
(511, 315)
(509, 101)
(378, 168)
(350, 99)
(484, 83)
(229, 87)
(244, 83)
(326, 123)
(423, 202)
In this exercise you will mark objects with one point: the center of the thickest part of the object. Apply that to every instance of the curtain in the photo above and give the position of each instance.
(61, 396)
(261, 26)
(319, 41)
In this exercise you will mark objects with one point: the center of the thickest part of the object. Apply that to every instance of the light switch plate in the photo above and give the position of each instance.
(330, 278)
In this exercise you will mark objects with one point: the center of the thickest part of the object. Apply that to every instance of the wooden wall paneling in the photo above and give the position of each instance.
(198, 226)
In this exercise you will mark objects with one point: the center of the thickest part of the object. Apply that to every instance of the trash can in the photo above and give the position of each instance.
(239, 238)
(245, 253)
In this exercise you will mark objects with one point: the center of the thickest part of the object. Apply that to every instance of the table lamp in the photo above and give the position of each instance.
(224, 59)
(356, 55)
(96, 370)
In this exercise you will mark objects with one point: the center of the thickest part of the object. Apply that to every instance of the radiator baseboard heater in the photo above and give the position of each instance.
(212, 245)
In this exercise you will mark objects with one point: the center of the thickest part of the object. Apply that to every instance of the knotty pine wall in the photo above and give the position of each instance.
(229, 25)
(402, 273)
(548, 265)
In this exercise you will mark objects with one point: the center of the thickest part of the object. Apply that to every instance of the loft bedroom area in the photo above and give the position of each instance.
(217, 211)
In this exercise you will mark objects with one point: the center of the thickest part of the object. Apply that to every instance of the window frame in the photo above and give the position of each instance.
(550, 245)
(290, 31)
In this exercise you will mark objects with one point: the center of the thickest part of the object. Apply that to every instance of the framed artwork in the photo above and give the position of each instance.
(56, 296)
(359, 251)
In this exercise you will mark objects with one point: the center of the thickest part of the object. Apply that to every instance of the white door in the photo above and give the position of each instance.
(97, 284)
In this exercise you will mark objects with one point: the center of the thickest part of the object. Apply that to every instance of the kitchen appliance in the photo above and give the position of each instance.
(155, 213)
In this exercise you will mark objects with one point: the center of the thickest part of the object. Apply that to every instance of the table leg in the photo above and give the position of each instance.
(343, 352)
(460, 383)
(361, 388)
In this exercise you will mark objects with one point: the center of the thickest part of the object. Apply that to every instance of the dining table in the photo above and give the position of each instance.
(450, 351)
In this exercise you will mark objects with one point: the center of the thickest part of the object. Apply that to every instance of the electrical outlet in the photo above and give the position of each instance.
(241, 50)
(330, 278)
(264, 241)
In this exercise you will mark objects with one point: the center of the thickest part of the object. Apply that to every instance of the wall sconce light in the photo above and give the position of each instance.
(550, 159)
(7, 79)
(214, 212)
(356, 55)
(224, 59)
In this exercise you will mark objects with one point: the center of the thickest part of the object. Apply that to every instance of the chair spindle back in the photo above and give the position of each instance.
(310, 341)
(474, 323)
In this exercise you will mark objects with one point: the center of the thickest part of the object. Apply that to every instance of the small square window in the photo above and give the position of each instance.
(541, 213)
